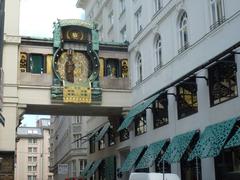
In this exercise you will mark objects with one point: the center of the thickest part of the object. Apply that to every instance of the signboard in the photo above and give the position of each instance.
(62, 169)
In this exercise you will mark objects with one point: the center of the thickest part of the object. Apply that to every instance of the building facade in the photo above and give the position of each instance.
(32, 152)
(184, 61)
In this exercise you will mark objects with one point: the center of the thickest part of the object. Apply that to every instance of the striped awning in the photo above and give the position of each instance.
(137, 110)
(178, 146)
(213, 139)
(131, 159)
(2, 119)
(93, 168)
(150, 154)
(102, 132)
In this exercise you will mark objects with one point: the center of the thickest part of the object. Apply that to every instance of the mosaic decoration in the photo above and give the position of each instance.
(234, 141)
(88, 166)
(131, 159)
(124, 68)
(213, 139)
(23, 62)
(75, 63)
(93, 169)
(136, 110)
(178, 146)
(150, 154)
(49, 64)
(110, 166)
(102, 132)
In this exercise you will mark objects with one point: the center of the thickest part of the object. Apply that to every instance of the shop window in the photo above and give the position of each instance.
(112, 68)
(140, 124)
(187, 98)
(222, 81)
(227, 164)
(191, 170)
(101, 171)
(92, 144)
(111, 135)
(160, 111)
(124, 134)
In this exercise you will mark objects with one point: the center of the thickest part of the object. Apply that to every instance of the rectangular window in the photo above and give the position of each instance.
(138, 19)
(123, 33)
(77, 140)
(123, 134)
(36, 63)
(223, 81)
(92, 144)
(32, 177)
(32, 141)
(111, 135)
(112, 68)
(101, 143)
(140, 124)
(187, 98)
(74, 169)
(30, 150)
(160, 111)
(35, 149)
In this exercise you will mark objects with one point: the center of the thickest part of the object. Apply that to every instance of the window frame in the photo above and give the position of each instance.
(139, 67)
(183, 31)
(217, 13)
(158, 5)
(138, 15)
(140, 122)
(183, 94)
(158, 51)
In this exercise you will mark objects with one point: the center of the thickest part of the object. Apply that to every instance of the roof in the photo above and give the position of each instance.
(29, 132)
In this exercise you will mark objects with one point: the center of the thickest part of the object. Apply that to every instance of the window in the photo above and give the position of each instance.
(77, 140)
(123, 33)
(101, 143)
(32, 159)
(82, 164)
(78, 119)
(123, 134)
(158, 5)
(111, 135)
(227, 164)
(32, 168)
(74, 173)
(122, 6)
(160, 111)
(139, 68)
(101, 170)
(32, 177)
(187, 98)
(158, 51)
(140, 124)
(92, 144)
(32, 149)
(138, 19)
(112, 68)
(217, 13)
(36, 63)
(110, 18)
(222, 81)
(183, 32)
(32, 141)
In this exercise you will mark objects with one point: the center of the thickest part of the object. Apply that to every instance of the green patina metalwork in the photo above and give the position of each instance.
(93, 168)
(213, 139)
(84, 172)
(136, 110)
(110, 168)
(57, 35)
(102, 132)
(95, 40)
(150, 155)
(76, 22)
(131, 159)
(234, 141)
(178, 146)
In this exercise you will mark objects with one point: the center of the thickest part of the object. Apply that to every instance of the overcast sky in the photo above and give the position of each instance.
(37, 16)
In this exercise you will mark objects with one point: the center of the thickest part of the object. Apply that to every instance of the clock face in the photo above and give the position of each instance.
(73, 67)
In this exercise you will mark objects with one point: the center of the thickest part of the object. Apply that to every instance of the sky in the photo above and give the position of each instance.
(37, 16)
(36, 20)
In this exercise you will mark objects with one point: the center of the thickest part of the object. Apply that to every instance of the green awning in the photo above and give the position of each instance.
(131, 159)
(88, 166)
(136, 110)
(2, 119)
(178, 146)
(93, 168)
(150, 154)
(213, 139)
(110, 166)
(234, 141)
(102, 132)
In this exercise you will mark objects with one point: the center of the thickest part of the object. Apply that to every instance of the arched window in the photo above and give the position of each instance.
(158, 5)
(217, 14)
(158, 50)
(183, 31)
(139, 67)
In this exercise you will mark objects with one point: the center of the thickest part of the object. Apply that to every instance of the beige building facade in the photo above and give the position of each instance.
(32, 153)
